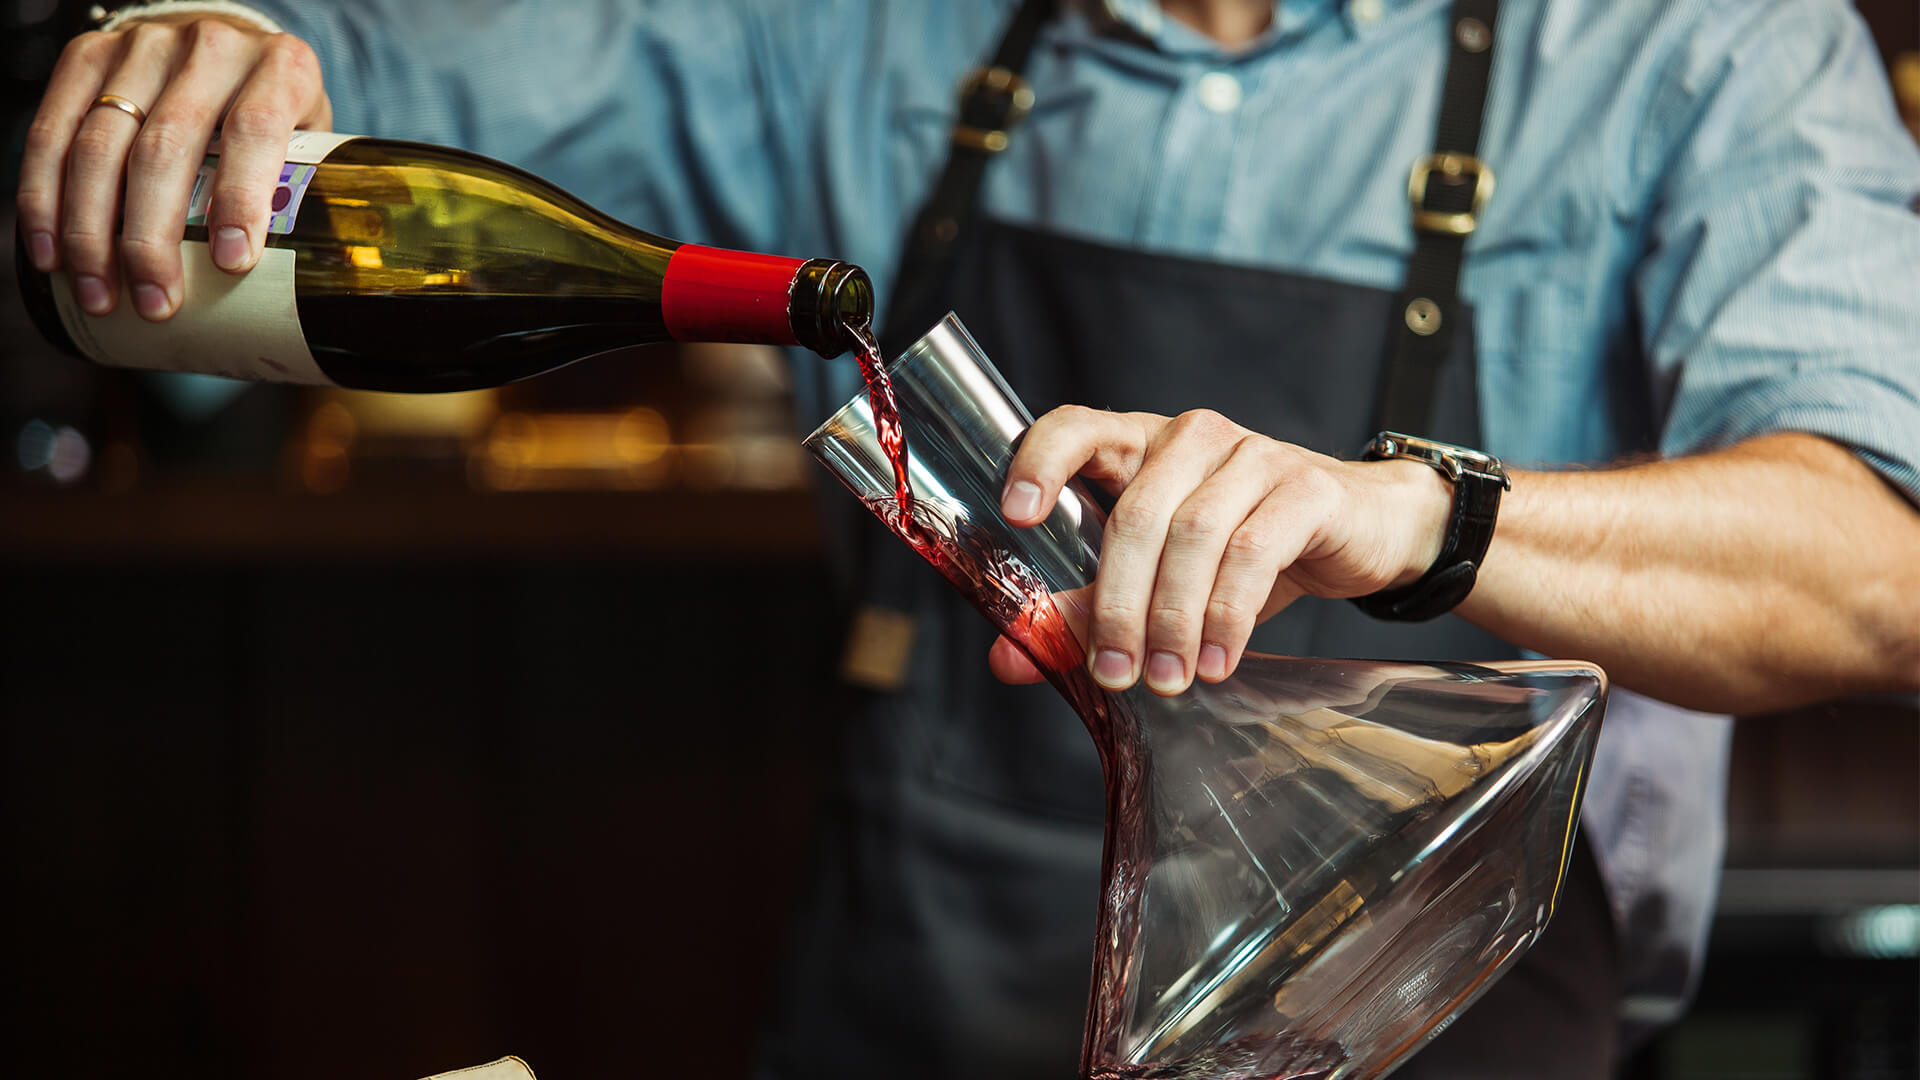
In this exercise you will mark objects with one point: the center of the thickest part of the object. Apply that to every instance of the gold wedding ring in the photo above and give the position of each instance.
(115, 101)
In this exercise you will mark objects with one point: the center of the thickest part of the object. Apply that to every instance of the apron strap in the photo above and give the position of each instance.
(1447, 190)
(993, 101)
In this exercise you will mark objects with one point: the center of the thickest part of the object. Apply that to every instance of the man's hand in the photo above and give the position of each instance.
(191, 74)
(1759, 576)
(1215, 529)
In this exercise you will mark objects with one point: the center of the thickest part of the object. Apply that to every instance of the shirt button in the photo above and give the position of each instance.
(1366, 12)
(1219, 91)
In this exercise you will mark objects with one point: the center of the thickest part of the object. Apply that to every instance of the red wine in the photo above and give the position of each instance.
(398, 266)
(891, 434)
(1014, 597)
(399, 343)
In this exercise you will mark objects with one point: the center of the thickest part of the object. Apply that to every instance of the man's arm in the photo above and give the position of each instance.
(1768, 574)
(1772, 573)
(1780, 292)
(1766, 559)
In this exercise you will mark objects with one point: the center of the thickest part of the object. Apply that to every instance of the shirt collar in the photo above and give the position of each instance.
(1291, 18)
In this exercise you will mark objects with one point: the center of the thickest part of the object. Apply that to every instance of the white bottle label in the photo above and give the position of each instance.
(243, 326)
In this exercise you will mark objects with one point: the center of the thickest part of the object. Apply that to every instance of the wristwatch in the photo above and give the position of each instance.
(1478, 480)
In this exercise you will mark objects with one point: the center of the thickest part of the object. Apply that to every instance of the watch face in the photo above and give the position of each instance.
(1448, 458)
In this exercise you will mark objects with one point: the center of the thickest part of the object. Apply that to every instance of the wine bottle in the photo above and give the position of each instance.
(400, 266)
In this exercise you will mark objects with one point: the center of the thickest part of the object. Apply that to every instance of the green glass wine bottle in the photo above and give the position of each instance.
(404, 267)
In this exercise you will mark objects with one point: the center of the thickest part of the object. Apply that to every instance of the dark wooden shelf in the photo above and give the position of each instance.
(203, 523)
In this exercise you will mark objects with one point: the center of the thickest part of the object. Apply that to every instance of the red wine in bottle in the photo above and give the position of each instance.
(399, 266)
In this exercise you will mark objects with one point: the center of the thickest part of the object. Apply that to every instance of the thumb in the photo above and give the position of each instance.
(1010, 665)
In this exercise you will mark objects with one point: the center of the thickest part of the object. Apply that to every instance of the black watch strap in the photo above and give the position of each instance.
(1476, 506)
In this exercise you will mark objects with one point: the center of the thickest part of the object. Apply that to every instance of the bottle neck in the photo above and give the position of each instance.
(712, 294)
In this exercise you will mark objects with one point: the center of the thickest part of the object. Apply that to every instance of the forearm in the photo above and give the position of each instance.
(1769, 574)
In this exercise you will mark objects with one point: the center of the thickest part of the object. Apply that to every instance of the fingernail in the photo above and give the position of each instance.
(151, 301)
(1165, 672)
(40, 250)
(230, 249)
(1021, 501)
(92, 294)
(1213, 662)
(1113, 669)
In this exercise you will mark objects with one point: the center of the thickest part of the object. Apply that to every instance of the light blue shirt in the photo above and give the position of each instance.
(1701, 231)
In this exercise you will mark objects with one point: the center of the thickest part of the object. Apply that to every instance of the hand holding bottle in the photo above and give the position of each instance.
(190, 75)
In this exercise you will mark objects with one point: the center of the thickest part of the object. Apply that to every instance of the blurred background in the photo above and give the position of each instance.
(348, 732)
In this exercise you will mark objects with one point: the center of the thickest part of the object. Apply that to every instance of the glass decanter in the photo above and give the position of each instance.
(1311, 867)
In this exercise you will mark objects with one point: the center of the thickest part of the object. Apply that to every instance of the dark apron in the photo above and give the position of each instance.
(948, 930)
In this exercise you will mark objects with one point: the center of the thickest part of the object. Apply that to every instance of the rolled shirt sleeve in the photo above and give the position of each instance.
(673, 115)
(1781, 291)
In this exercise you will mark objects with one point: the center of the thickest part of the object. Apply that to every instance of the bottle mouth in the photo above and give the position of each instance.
(830, 300)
